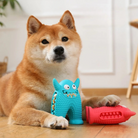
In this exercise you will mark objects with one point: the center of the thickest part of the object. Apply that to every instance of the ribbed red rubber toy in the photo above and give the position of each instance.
(108, 115)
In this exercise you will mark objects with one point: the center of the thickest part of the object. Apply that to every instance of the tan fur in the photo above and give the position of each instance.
(25, 95)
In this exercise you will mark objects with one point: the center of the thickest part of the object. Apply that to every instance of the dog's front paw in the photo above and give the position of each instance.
(110, 100)
(56, 123)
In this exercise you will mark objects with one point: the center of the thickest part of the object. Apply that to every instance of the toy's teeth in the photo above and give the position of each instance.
(111, 115)
(71, 94)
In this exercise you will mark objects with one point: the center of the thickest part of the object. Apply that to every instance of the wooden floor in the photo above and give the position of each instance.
(127, 129)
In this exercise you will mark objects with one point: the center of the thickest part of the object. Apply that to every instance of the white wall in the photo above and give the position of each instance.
(109, 43)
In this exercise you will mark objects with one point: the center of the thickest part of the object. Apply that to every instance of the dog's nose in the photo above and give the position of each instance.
(59, 50)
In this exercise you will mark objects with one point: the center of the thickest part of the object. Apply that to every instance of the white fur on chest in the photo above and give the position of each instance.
(59, 75)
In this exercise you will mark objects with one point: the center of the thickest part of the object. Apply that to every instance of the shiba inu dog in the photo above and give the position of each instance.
(50, 52)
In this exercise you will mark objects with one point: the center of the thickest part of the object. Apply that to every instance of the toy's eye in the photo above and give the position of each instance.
(73, 86)
(65, 39)
(66, 87)
(44, 41)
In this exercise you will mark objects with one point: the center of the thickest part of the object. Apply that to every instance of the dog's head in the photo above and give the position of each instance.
(53, 44)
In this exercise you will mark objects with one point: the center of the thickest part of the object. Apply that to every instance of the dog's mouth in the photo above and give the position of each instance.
(59, 59)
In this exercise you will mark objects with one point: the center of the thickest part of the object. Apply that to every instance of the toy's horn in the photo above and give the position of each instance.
(56, 84)
(77, 82)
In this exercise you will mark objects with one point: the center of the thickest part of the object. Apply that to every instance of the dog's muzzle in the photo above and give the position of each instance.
(59, 54)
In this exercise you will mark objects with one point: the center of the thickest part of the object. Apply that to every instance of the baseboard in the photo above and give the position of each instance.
(104, 91)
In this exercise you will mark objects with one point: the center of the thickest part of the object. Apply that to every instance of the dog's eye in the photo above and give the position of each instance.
(65, 39)
(44, 41)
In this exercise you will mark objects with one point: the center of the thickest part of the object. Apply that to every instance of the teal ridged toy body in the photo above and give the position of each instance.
(66, 100)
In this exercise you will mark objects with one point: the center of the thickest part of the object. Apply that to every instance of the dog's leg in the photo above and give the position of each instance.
(25, 113)
(33, 117)
(1, 112)
(98, 101)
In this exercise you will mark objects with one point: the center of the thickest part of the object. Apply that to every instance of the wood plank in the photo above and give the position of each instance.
(119, 131)
(134, 83)
(128, 129)
(136, 73)
(133, 76)
(3, 122)
(18, 131)
(74, 131)
(105, 91)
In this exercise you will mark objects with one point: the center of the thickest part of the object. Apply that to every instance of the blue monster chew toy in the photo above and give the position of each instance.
(66, 100)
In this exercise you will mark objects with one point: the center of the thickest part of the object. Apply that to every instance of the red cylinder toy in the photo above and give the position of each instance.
(108, 115)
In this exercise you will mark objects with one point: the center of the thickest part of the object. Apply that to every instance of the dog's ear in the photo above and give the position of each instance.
(68, 20)
(33, 25)
(77, 82)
